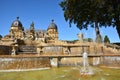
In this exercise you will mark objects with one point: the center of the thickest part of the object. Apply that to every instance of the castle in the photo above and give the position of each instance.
(34, 41)
(17, 32)
(20, 41)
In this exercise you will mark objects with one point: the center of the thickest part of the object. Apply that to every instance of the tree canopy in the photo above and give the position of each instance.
(96, 13)
(106, 39)
(0, 37)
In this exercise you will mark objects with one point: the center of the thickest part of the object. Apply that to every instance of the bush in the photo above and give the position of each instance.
(106, 39)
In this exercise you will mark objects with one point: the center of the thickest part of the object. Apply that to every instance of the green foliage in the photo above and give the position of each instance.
(88, 39)
(72, 41)
(88, 12)
(106, 39)
(79, 12)
(0, 37)
(112, 14)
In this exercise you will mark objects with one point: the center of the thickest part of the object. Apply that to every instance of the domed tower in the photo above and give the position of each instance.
(52, 32)
(17, 29)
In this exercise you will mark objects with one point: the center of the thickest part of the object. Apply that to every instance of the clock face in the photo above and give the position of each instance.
(16, 23)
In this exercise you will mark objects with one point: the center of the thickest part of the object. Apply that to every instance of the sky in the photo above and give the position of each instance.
(41, 12)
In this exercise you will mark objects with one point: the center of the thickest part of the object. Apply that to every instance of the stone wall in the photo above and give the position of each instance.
(111, 61)
(23, 63)
(76, 50)
(4, 50)
(52, 50)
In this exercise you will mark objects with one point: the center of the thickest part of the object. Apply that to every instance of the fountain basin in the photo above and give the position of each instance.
(22, 63)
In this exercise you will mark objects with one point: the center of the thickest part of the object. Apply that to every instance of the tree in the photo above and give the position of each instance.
(106, 39)
(0, 37)
(90, 39)
(111, 16)
(95, 13)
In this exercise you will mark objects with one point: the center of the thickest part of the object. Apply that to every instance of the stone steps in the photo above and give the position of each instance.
(27, 50)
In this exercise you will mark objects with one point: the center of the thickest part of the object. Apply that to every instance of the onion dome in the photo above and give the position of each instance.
(52, 25)
(16, 23)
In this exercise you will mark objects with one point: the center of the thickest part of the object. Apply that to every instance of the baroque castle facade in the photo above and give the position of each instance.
(20, 41)
(17, 31)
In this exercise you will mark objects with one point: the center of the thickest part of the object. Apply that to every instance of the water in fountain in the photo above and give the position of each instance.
(53, 62)
(86, 69)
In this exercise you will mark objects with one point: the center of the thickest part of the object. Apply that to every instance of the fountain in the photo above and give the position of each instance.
(86, 70)
(53, 62)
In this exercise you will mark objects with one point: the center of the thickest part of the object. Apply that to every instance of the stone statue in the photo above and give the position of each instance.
(98, 36)
(13, 51)
(80, 36)
(32, 32)
(32, 26)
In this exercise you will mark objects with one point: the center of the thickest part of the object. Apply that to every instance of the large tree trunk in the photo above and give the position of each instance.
(97, 29)
(98, 36)
(118, 28)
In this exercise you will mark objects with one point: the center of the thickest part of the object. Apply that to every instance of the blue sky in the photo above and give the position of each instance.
(41, 12)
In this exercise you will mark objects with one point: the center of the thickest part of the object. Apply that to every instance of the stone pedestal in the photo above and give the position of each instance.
(80, 36)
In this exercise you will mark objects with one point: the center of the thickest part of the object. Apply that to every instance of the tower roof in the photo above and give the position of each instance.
(52, 25)
(16, 23)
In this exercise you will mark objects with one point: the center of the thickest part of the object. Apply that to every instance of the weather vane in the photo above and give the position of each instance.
(17, 17)
(52, 20)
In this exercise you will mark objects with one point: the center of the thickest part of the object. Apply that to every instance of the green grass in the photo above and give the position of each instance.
(62, 73)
